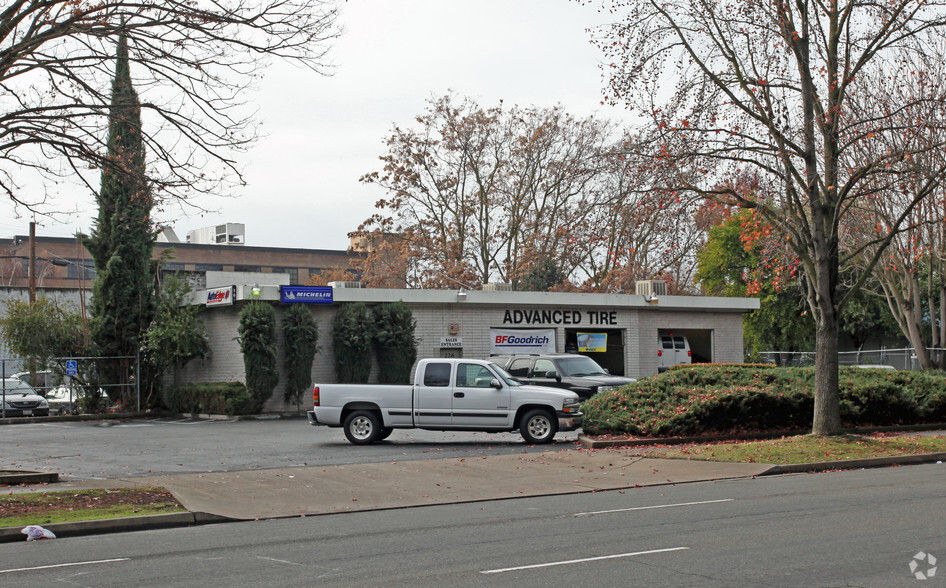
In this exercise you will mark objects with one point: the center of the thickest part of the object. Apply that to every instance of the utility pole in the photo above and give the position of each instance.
(32, 263)
(32, 281)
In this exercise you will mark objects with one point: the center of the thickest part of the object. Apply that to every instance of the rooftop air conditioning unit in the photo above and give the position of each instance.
(346, 284)
(650, 288)
(497, 287)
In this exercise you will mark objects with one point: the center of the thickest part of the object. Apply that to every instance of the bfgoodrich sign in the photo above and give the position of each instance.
(505, 341)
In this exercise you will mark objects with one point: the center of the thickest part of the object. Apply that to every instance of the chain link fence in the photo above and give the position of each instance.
(901, 359)
(72, 385)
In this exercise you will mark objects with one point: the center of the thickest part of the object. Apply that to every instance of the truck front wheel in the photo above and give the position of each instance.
(538, 427)
(362, 427)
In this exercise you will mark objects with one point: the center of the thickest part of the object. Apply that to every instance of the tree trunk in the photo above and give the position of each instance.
(827, 415)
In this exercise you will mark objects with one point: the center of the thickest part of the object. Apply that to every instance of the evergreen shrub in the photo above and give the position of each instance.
(394, 342)
(713, 399)
(257, 336)
(351, 337)
(300, 341)
(230, 398)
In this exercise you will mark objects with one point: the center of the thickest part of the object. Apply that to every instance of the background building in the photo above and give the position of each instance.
(62, 262)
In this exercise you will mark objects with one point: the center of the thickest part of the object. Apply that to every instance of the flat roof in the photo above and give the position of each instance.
(510, 298)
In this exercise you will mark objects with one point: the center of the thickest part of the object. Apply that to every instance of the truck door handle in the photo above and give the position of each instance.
(458, 394)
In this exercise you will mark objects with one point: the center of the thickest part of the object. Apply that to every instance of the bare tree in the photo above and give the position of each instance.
(484, 194)
(191, 63)
(911, 273)
(766, 86)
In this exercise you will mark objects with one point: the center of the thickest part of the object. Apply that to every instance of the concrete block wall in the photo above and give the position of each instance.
(639, 325)
(726, 329)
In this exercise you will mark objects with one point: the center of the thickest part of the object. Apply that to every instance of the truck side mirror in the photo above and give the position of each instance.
(495, 383)
(553, 375)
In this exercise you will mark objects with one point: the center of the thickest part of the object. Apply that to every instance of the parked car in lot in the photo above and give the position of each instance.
(578, 373)
(19, 399)
(63, 398)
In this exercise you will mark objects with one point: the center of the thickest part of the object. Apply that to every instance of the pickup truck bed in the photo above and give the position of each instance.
(447, 395)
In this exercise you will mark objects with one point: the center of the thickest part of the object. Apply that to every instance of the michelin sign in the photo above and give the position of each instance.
(305, 294)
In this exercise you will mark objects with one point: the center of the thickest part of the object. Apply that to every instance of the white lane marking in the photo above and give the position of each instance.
(282, 561)
(597, 512)
(583, 560)
(65, 565)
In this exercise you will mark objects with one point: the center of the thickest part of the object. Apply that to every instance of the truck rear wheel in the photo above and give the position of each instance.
(362, 427)
(538, 427)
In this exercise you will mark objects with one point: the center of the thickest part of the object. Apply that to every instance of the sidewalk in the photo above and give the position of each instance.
(290, 492)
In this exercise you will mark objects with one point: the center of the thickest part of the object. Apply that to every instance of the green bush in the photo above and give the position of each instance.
(300, 341)
(351, 337)
(703, 399)
(257, 336)
(394, 342)
(230, 398)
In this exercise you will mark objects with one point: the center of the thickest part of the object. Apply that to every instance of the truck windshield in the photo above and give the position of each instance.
(580, 366)
(510, 381)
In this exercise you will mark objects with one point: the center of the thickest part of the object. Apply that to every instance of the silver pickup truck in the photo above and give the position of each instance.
(447, 395)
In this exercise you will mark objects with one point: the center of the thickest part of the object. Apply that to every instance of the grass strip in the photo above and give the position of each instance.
(805, 449)
(62, 506)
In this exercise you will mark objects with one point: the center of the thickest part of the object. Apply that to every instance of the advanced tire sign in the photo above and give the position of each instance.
(507, 341)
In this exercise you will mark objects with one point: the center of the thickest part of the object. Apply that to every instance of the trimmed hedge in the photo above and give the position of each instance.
(230, 398)
(257, 337)
(351, 337)
(394, 343)
(712, 398)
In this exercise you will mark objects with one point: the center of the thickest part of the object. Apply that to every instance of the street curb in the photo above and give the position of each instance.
(589, 443)
(17, 478)
(855, 464)
(119, 525)
(111, 416)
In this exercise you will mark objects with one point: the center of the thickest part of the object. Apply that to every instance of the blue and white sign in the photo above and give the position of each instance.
(72, 367)
(504, 341)
(305, 294)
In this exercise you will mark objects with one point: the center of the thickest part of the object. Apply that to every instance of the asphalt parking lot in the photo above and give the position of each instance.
(87, 450)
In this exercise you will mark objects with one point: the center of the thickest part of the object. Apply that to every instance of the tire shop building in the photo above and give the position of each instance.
(619, 331)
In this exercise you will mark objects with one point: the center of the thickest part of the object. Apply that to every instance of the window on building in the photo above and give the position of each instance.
(80, 269)
(248, 268)
(292, 271)
(208, 267)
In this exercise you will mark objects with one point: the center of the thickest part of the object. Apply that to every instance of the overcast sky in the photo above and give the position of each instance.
(323, 133)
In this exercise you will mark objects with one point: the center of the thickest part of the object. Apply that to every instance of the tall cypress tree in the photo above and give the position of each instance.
(122, 241)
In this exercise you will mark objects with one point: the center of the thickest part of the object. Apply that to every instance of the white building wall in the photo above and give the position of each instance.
(436, 311)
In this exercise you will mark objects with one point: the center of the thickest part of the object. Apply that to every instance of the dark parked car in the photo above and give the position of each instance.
(19, 399)
(578, 373)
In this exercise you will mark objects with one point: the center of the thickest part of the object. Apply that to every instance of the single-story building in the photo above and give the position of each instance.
(624, 329)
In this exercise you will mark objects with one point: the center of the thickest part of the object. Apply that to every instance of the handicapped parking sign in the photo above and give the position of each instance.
(71, 367)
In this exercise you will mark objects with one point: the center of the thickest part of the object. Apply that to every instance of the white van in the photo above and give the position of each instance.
(672, 350)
